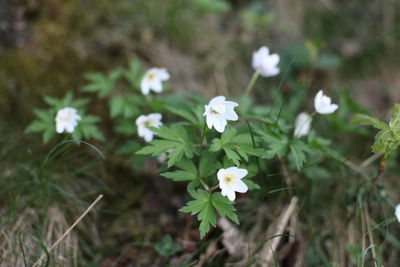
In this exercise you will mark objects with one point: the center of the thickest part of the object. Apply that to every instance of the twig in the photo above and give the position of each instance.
(269, 250)
(371, 238)
(371, 159)
(69, 230)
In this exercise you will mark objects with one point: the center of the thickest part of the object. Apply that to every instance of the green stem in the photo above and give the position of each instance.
(251, 83)
(203, 133)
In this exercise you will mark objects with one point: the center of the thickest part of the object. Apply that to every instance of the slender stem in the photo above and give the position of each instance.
(254, 143)
(206, 187)
(251, 83)
(214, 187)
(203, 134)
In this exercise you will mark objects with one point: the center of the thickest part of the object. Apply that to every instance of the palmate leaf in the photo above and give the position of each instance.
(189, 172)
(236, 146)
(394, 122)
(363, 119)
(298, 150)
(278, 144)
(100, 83)
(175, 138)
(205, 205)
(45, 119)
(388, 138)
(202, 207)
(126, 106)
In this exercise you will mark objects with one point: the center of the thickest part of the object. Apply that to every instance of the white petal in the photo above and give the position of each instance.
(231, 104)
(231, 115)
(140, 120)
(157, 86)
(210, 119)
(145, 87)
(163, 74)
(220, 174)
(397, 212)
(317, 99)
(302, 125)
(219, 124)
(205, 110)
(220, 108)
(239, 173)
(155, 116)
(329, 109)
(231, 195)
(60, 127)
(148, 135)
(273, 60)
(70, 127)
(240, 187)
(217, 100)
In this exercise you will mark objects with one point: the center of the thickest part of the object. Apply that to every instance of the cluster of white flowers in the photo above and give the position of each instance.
(218, 112)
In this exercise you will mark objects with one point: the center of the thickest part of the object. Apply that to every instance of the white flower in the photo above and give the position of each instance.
(66, 120)
(230, 180)
(144, 121)
(397, 212)
(265, 63)
(323, 104)
(218, 111)
(153, 79)
(302, 125)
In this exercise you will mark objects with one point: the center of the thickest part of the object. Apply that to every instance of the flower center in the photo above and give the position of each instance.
(213, 111)
(147, 123)
(229, 179)
(151, 76)
(65, 118)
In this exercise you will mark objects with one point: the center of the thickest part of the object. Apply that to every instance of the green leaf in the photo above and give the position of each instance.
(250, 184)
(367, 120)
(167, 247)
(101, 84)
(175, 138)
(202, 207)
(224, 207)
(180, 175)
(395, 119)
(183, 113)
(236, 146)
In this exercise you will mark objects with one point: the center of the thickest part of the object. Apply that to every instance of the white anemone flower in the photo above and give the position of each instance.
(265, 63)
(152, 80)
(145, 121)
(302, 125)
(323, 104)
(66, 120)
(230, 181)
(218, 112)
(397, 212)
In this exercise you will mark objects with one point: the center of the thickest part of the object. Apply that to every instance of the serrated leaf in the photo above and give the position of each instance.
(183, 113)
(224, 207)
(236, 146)
(367, 120)
(176, 139)
(179, 175)
(203, 208)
